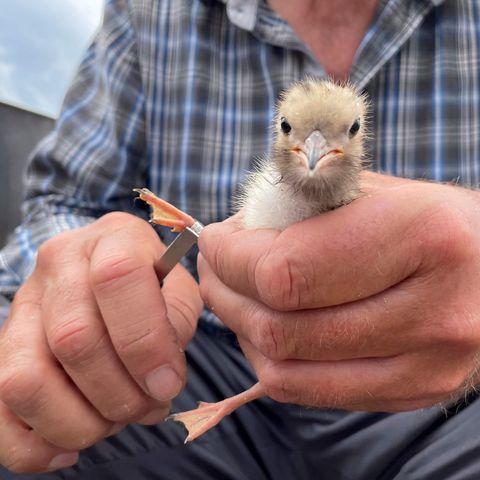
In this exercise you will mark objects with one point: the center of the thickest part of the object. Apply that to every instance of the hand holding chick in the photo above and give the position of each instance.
(370, 307)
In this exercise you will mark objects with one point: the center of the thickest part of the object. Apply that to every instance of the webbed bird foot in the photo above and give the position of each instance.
(207, 415)
(164, 213)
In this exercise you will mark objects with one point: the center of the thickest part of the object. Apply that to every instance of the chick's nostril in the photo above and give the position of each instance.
(315, 138)
(316, 147)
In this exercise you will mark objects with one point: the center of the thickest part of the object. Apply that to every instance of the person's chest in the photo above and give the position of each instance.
(211, 90)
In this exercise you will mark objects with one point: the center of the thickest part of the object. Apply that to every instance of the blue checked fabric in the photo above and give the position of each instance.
(178, 96)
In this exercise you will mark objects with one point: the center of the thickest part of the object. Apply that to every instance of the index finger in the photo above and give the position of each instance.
(130, 300)
(340, 256)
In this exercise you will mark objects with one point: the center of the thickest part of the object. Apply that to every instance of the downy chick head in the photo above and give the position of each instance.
(319, 130)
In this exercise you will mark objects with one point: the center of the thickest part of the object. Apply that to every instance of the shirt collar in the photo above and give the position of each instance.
(395, 22)
(242, 13)
(264, 23)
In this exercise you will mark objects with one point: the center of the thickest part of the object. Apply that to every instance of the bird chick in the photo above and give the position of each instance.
(317, 155)
(314, 167)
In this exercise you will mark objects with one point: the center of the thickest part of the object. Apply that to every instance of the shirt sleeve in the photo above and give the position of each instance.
(94, 157)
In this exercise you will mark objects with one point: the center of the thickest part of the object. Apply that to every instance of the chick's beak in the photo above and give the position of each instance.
(316, 148)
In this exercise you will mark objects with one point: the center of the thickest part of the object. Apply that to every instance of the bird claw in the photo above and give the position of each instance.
(164, 213)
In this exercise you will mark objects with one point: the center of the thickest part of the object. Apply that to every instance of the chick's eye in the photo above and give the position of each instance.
(354, 128)
(285, 126)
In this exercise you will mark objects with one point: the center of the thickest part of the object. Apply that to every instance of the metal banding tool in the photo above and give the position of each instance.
(177, 250)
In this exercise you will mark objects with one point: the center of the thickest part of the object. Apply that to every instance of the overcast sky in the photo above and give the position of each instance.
(41, 44)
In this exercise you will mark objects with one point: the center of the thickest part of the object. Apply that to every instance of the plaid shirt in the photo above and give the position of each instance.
(178, 96)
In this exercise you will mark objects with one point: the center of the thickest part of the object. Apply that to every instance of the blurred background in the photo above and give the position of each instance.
(41, 45)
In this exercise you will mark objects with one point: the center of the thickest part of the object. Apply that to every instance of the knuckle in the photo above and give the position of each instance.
(18, 459)
(24, 298)
(457, 329)
(49, 249)
(75, 342)
(445, 386)
(139, 344)
(281, 282)
(81, 437)
(25, 305)
(113, 268)
(466, 329)
(433, 384)
(445, 236)
(276, 384)
(114, 219)
(206, 292)
(127, 411)
(122, 223)
(183, 317)
(44, 255)
(21, 386)
(268, 336)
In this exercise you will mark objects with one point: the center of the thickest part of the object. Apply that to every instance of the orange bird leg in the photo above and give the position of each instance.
(164, 213)
(207, 415)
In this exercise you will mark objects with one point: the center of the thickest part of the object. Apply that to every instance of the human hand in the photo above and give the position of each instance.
(89, 336)
(373, 306)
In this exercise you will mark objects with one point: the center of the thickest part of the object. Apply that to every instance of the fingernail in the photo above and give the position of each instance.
(63, 460)
(163, 383)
